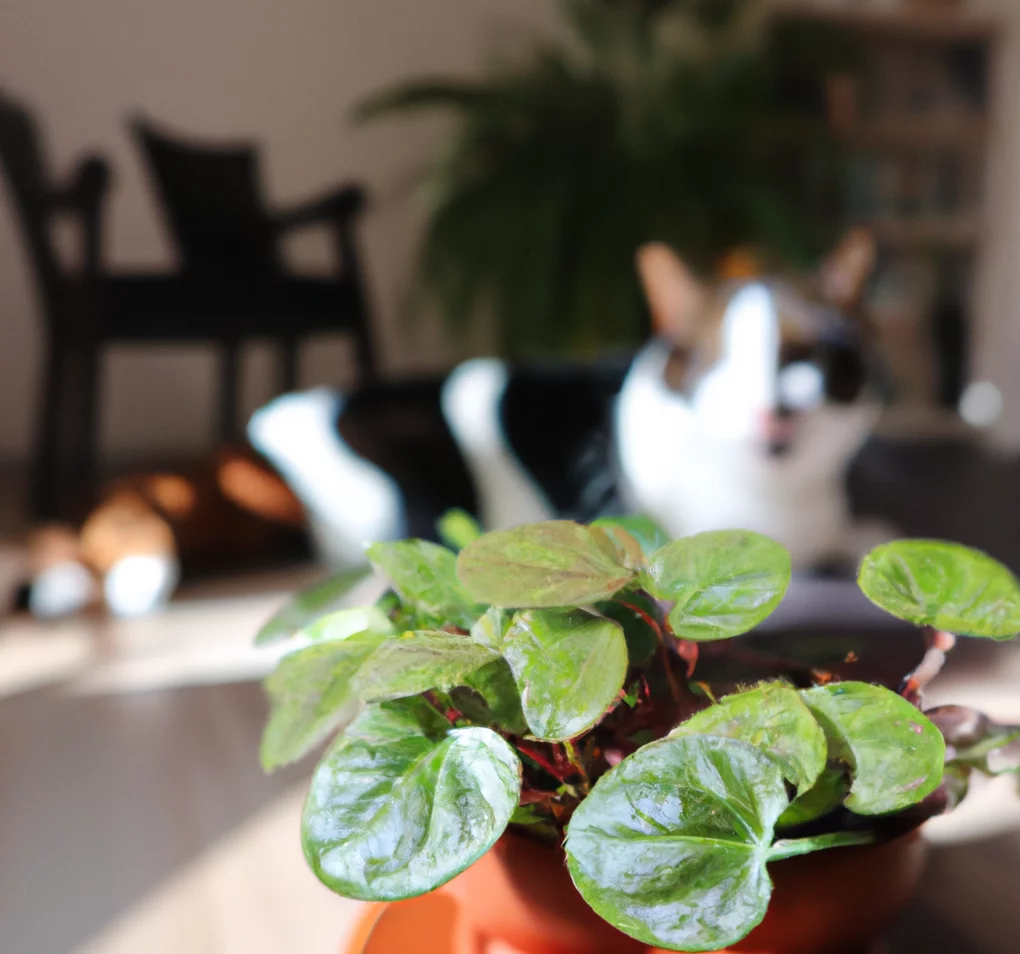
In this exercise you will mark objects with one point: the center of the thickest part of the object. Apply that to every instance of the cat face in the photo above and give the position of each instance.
(762, 363)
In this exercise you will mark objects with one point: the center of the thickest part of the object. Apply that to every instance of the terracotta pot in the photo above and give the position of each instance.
(519, 897)
(836, 901)
(521, 894)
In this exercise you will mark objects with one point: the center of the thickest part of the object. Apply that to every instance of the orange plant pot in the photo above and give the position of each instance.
(519, 898)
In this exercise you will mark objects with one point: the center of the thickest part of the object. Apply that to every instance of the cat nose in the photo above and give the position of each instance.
(777, 429)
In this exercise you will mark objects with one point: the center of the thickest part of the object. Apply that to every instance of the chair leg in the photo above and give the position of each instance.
(228, 388)
(44, 477)
(87, 429)
(290, 370)
(364, 352)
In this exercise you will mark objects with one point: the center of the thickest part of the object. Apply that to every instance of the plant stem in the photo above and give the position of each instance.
(446, 711)
(575, 760)
(540, 760)
(939, 644)
(792, 847)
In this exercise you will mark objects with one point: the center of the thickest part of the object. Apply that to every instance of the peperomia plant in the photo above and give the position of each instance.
(546, 680)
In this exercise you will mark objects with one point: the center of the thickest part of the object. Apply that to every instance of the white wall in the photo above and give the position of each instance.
(287, 73)
(284, 71)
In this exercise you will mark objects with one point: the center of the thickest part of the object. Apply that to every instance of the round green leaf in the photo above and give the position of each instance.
(489, 697)
(397, 809)
(569, 667)
(489, 629)
(350, 622)
(648, 534)
(895, 753)
(944, 585)
(670, 846)
(425, 574)
(310, 696)
(722, 583)
(827, 794)
(309, 605)
(557, 563)
(416, 662)
(773, 719)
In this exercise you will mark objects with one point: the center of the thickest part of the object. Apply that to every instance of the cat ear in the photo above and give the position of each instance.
(675, 296)
(844, 274)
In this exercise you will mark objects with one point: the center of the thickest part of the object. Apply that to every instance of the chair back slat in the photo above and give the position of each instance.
(213, 205)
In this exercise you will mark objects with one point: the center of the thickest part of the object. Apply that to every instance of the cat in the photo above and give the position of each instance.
(508, 445)
(744, 410)
(749, 406)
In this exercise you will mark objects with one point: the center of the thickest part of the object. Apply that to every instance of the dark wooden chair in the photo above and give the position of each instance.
(231, 286)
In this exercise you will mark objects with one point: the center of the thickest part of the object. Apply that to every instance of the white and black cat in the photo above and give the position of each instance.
(744, 411)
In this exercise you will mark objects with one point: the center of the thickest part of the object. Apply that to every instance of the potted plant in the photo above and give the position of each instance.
(540, 701)
(690, 122)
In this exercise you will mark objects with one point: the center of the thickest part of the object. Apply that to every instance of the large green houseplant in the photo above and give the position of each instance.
(547, 681)
(686, 121)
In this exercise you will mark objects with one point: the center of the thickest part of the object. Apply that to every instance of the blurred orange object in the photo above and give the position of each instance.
(740, 265)
(519, 899)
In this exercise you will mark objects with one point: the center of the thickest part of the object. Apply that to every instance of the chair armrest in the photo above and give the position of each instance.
(338, 207)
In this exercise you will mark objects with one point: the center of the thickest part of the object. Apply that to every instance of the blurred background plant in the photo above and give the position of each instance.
(694, 122)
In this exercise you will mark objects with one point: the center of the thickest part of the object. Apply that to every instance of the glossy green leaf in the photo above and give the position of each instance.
(670, 846)
(457, 528)
(894, 752)
(490, 629)
(773, 719)
(489, 697)
(826, 795)
(398, 808)
(636, 613)
(425, 574)
(722, 583)
(649, 535)
(349, 622)
(558, 563)
(623, 547)
(569, 668)
(416, 662)
(310, 696)
(303, 609)
(526, 815)
(944, 585)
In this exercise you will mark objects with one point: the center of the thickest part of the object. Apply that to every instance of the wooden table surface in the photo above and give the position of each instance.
(139, 822)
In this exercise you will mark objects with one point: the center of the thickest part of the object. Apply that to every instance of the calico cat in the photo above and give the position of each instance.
(744, 411)
(508, 445)
(748, 408)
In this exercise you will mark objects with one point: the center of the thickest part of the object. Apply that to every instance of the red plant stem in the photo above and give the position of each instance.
(674, 686)
(939, 644)
(447, 712)
(687, 650)
(648, 619)
(555, 771)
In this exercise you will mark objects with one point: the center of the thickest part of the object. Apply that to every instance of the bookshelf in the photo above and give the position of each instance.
(916, 118)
